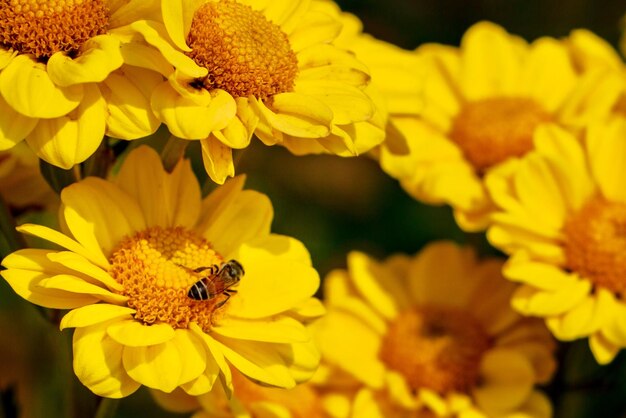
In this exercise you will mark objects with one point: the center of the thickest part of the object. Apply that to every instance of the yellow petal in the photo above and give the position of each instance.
(247, 217)
(349, 104)
(355, 351)
(218, 201)
(491, 61)
(94, 314)
(604, 351)
(131, 333)
(432, 281)
(64, 241)
(80, 264)
(125, 12)
(99, 56)
(27, 88)
(508, 381)
(71, 139)
(98, 363)
(14, 127)
(273, 283)
(316, 28)
(310, 309)
(157, 366)
(193, 354)
(614, 326)
(584, 319)
(296, 114)
(568, 163)
(369, 279)
(548, 75)
(26, 284)
(99, 214)
(543, 276)
(177, 25)
(217, 367)
(607, 157)
(303, 359)
(530, 301)
(286, 14)
(217, 159)
(127, 93)
(73, 284)
(365, 405)
(140, 55)
(235, 135)
(181, 114)
(157, 35)
(257, 360)
(274, 330)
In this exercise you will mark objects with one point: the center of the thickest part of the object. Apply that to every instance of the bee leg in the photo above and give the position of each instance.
(228, 295)
(212, 269)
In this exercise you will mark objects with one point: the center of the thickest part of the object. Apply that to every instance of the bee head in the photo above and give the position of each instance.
(234, 271)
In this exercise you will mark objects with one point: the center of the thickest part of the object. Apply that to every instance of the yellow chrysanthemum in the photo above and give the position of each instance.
(130, 248)
(21, 184)
(482, 103)
(238, 68)
(435, 332)
(562, 217)
(62, 83)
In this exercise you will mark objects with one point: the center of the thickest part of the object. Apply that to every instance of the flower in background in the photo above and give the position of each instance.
(62, 82)
(132, 248)
(482, 104)
(433, 333)
(253, 67)
(249, 399)
(21, 184)
(562, 216)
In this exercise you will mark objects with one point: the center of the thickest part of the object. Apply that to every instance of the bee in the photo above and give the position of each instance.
(218, 282)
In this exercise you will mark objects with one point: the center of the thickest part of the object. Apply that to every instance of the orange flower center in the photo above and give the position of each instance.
(155, 267)
(433, 348)
(245, 54)
(44, 27)
(301, 401)
(489, 131)
(596, 243)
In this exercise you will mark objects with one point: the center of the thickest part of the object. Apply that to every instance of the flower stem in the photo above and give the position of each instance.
(173, 151)
(10, 239)
(107, 408)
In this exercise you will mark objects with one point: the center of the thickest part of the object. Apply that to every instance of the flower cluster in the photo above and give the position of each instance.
(165, 269)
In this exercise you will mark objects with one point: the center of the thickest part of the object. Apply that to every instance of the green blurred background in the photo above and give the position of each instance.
(335, 205)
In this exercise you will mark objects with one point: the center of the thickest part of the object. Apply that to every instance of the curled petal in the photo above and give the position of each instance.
(27, 88)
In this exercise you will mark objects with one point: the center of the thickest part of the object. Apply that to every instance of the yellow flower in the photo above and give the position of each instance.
(562, 216)
(255, 67)
(21, 184)
(482, 103)
(132, 248)
(435, 332)
(62, 83)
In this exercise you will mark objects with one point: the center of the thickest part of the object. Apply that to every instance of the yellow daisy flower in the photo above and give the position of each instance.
(561, 215)
(255, 67)
(21, 184)
(435, 332)
(62, 84)
(482, 103)
(133, 250)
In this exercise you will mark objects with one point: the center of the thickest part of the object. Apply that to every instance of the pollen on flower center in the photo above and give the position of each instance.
(155, 267)
(244, 53)
(44, 27)
(595, 244)
(433, 348)
(491, 130)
